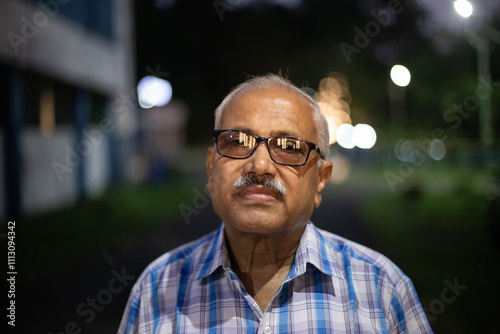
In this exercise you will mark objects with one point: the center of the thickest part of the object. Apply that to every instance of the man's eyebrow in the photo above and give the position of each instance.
(286, 134)
(243, 129)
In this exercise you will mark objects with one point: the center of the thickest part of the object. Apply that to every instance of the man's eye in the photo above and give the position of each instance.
(242, 140)
(292, 146)
(234, 142)
(289, 144)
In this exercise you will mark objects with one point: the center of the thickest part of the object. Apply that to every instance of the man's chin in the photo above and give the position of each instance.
(257, 224)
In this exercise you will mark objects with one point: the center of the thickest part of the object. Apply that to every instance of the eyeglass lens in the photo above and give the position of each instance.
(283, 150)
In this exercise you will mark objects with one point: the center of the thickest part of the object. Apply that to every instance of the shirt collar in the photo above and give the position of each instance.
(216, 256)
(313, 249)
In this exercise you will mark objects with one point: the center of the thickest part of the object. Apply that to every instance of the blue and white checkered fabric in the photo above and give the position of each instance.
(334, 286)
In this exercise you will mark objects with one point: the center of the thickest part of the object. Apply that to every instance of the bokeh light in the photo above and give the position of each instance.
(153, 91)
(364, 136)
(333, 99)
(344, 136)
(406, 150)
(437, 149)
(400, 75)
(463, 7)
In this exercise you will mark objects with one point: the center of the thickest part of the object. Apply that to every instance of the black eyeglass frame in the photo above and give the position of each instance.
(312, 146)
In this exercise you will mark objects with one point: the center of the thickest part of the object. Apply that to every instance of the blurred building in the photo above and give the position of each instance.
(163, 139)
(68, 116)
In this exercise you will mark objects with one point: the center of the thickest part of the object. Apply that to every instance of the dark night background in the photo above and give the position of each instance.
(119, 207)
(206, 56)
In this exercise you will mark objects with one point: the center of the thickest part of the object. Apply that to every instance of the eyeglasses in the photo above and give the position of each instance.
(287, 151)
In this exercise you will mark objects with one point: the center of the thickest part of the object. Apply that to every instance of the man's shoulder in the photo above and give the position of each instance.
(344, 245)
(359, 254)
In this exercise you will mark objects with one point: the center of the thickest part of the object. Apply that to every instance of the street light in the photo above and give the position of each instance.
(396, 88)
(481, 42)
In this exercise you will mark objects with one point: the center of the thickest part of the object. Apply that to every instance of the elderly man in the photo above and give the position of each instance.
(268, 269)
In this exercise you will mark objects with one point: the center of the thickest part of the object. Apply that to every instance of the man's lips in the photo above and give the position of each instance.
(258, 193)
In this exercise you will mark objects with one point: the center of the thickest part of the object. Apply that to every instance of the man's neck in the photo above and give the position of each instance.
(262, 262)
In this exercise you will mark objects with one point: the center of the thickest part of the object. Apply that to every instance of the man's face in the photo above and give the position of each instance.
(268, 112)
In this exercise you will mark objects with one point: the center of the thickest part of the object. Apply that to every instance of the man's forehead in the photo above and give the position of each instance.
(288, 111)
(266, 91)
(281, 98)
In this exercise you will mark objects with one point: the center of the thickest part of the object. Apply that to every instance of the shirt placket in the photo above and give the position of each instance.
(265, 324)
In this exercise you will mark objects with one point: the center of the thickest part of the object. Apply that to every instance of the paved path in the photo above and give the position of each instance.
(83, 298)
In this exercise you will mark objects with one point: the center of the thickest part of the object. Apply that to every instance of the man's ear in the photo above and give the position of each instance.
(325, 172)
(209, 166)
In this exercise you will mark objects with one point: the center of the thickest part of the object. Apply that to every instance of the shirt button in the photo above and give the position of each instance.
(267, 330)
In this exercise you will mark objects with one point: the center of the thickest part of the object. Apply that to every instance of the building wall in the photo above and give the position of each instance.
(59, 48)
(41, 188)
(89, 51)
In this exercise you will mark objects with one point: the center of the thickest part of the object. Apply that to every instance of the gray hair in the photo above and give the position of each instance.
(274, 80)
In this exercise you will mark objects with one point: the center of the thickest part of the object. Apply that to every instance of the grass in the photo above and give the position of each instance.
(437, 233)
(53, 240)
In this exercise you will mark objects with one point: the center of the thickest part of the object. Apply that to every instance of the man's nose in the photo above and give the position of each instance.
(260, 161)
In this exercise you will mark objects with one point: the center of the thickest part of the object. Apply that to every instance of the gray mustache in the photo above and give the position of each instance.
(274, 184)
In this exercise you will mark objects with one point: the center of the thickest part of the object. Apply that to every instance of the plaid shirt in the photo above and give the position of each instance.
(334, 286)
